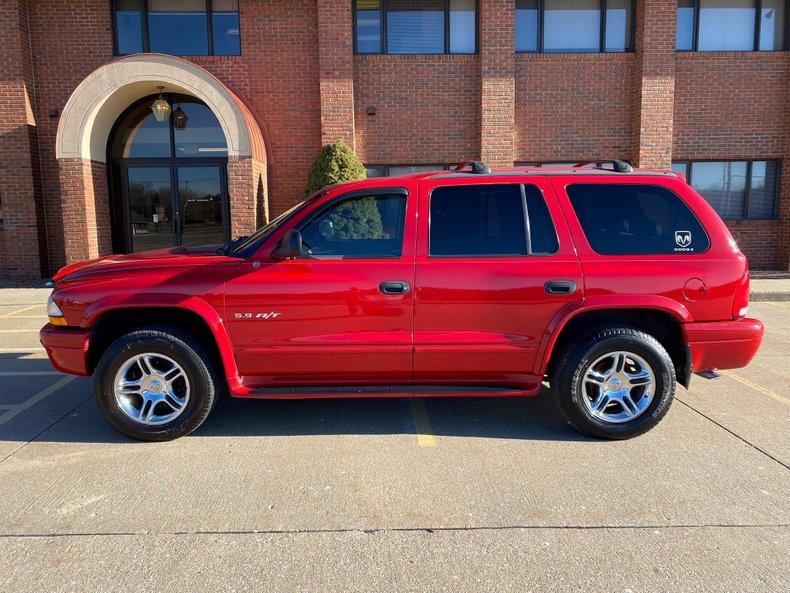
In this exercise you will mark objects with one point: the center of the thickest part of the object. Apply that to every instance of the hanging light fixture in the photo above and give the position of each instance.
(180, 118)
(161, 107)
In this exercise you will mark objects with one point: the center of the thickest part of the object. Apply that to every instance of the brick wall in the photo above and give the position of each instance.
(298, 73)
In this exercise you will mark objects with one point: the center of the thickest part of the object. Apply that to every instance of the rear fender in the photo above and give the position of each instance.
(597, 303)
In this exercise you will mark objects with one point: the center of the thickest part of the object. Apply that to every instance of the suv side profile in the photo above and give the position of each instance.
(613, 284)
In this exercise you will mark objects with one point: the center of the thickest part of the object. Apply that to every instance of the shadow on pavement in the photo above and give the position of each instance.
(66, 416)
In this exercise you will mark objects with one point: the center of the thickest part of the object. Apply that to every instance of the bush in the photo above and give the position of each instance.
(336, 162)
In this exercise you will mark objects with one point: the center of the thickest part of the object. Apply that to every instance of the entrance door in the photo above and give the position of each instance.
(175, 205)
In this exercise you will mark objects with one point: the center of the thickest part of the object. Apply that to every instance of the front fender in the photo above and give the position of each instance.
(598, 303)
(189, 303)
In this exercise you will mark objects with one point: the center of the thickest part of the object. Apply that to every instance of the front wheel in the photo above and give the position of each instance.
(155, 384)
(614, 384)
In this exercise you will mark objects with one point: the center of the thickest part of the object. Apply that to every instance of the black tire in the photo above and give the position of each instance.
(180, 346)
(568, 374)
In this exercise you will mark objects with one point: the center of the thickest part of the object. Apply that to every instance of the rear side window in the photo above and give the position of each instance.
(621, 219)
(490, 220)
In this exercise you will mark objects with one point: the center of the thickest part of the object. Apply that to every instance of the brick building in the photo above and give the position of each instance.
(250, 90)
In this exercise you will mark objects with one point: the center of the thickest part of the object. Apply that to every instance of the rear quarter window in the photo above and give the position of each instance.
(625, 219)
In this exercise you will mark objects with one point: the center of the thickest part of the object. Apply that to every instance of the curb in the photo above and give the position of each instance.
(769, 297)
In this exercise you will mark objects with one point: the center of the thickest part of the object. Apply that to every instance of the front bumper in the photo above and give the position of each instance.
(67, 348)
(723, 344)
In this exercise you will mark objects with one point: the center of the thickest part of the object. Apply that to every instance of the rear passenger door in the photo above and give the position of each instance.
(495, 264)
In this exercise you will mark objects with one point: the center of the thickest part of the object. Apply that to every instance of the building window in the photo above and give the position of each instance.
(731, 25)
(735, 189)
(564, 26)
(415, 26)
(390, 170)
(177, 27)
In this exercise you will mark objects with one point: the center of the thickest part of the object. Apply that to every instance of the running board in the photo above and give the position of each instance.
(418, 390)
(708, 374)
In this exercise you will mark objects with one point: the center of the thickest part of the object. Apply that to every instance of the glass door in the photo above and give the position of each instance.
(202, 213)
(149, 193)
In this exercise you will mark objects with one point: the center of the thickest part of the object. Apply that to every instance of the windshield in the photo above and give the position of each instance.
(249, 244)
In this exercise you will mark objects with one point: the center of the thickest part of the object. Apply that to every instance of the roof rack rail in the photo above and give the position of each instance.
(618, 166)
(477, 167)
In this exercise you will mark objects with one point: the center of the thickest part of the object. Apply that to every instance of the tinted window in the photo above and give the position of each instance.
(726, 25)
(415, 27)
(685, 25)
(367, 18)
(618, 25)
(463, 27)
(129, 26)
(489, 220)
(623, 219)
(572, 25)
(772, 24)
(178, 27)
(359, 227)
(225, 27)
(527, 25)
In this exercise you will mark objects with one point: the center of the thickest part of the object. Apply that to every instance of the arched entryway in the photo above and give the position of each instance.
(96, 220)
(169, 183)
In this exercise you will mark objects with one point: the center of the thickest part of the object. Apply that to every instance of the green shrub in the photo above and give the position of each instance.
(355, 219)
(336, 162)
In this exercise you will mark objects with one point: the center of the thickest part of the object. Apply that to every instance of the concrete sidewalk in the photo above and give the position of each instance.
(770, 289)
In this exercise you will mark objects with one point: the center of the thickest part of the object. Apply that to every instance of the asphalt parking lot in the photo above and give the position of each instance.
(393, 495)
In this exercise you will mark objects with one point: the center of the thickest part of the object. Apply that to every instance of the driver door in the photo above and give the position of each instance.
(340, 314)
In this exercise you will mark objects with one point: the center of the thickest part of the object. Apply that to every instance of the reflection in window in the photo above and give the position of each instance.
(390, 170)
(178, 27)
(731, 25)
(574, 25)
(735, 189)
(415, 26)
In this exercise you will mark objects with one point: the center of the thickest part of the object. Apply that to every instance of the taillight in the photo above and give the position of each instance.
(740, 304)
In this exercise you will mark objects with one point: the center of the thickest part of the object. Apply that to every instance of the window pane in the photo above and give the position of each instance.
(726, 25)
(415, 27)
(463, 23)
(477, 220)
(368, 23)
(178, 27)
(129, 26)
(404, 169)
(225, 26)
(140, 135)
(681, 168)
(543, 237)
(762, 189)
(526, 25)
(150, 196)
(571, 25)
(370, 226)
(620, 219)
(618, 25)
(723, 184)
(772, 25)
(200, 202)
(685, 19)
(202, 135)
(375, 171)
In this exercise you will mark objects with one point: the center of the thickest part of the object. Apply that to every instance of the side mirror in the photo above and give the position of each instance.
(290, 247)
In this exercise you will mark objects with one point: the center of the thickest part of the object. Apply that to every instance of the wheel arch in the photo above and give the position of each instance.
(662, 320)
(193, 315)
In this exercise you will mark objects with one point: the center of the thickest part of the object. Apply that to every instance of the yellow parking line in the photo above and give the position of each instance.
(20, 331)
(31, 401)
(42, 316)
(756, 387)
(12, 313)
(422, 424)
(22, 350)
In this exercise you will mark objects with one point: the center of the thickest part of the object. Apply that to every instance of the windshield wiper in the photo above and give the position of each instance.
(231, 245)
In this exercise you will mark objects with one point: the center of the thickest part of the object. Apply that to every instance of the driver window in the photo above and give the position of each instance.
(358, 227)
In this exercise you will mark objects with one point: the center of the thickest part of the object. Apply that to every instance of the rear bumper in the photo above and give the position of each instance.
(723, 344)
(67, 348)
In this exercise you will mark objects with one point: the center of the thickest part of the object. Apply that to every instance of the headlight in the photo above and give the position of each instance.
(54, 313)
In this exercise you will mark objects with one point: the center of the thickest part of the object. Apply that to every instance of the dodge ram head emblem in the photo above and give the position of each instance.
(683, 238)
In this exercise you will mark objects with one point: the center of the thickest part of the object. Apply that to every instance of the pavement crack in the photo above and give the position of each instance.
(735, 434)
(374, 531)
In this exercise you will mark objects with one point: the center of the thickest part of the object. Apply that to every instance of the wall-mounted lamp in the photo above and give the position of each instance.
(180, 118)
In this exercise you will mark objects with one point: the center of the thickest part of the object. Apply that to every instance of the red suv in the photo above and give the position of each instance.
(611, 283)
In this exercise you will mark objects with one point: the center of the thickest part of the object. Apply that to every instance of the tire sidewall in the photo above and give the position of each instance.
(662, 368)
(201, 388)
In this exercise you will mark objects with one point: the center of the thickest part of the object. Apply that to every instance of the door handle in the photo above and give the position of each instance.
(394, 287)
(560, 287)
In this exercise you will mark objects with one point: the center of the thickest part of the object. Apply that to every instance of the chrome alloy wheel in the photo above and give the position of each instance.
(151, 389)
(618, 387)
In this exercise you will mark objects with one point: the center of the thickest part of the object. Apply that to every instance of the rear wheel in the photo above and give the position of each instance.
(155, 384)
(615, 384)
